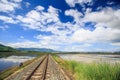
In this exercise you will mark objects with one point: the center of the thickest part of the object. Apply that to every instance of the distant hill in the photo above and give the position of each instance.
(6, 48)
(36, 49)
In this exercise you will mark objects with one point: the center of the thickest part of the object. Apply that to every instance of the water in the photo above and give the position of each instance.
(91, 58)
(10, 61)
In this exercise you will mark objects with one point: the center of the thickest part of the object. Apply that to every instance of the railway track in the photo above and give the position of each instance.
(44, 68)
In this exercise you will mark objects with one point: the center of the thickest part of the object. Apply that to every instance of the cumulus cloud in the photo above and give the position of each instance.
(39, 8)
(77, 48)
(32, 44)
(75, 13)
(107, 16)
(41, 20)
(9, 5)
(53, 42)
(7, 19)
(54, 39)
(100, 34)
(80, 2)
(26, 44)
(107, 27)
(69, 34)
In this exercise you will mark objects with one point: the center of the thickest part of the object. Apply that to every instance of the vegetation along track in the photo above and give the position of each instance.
(44, 68)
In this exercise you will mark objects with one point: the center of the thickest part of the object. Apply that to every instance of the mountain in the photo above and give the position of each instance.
(6, 48)
(36, 49)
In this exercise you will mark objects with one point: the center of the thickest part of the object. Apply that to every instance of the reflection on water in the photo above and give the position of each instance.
(91, 58)
(13, 60)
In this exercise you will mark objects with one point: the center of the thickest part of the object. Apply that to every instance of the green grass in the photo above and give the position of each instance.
(103, 71)
(91, 71)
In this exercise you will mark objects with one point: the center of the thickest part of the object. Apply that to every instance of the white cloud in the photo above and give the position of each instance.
(39, 8)
(70, 33)
(107, 16)
(4, 27)
(27, 4)
(31, 44)
(52, 42)
(116, 44)
(100, 34)
(53, 10)
(26, 44)
(33, 15)
(53, 39)
(48, 21)
(8, 19)
(80, 2)
(17, 0)
(110, 3)
(77, 48)
(9, 5)
(21, 37)
(37, 18)
(75, 13)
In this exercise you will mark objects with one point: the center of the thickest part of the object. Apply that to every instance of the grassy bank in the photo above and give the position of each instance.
(92, 71)
(11, 70)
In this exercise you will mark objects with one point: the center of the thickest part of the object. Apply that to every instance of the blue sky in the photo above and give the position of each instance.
(65, 25)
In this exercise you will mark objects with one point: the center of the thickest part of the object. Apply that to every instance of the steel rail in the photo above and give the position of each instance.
(29, 77)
